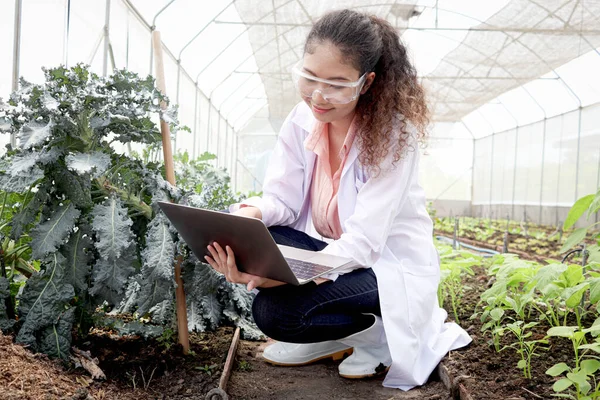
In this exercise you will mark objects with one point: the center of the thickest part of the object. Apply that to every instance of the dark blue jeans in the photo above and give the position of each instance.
(314, 313)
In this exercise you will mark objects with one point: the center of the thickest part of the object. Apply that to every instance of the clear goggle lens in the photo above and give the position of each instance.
(335, 92)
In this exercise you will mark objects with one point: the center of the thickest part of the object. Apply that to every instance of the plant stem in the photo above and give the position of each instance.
(10, 308)
(3, 204)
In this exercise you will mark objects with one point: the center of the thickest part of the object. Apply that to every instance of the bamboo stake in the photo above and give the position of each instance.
(182, 323)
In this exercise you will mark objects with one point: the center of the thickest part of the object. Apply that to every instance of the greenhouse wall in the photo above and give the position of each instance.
(77, 35)
(538, 171)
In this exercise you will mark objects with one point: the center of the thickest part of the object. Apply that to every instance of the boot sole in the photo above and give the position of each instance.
(334, 356)
(366, 375)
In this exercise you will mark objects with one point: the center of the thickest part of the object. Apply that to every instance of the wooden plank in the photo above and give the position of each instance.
(445, 376)
(230, 360)
(464, 393)
(182, 324)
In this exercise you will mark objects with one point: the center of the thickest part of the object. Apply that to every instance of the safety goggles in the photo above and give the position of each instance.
(335, 92)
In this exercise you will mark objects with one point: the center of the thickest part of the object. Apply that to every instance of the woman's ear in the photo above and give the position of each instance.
(368, 82)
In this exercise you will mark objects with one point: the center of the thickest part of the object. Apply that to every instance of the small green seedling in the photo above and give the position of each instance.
(244, 366)
(525, 348)
(583, 377)
(207, 368)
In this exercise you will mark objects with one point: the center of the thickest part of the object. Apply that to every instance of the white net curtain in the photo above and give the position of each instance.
(512, 84)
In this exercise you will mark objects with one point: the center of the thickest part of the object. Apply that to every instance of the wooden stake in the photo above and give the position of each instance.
(182, 323)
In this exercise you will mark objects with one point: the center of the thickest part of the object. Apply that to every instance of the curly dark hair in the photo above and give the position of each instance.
(371, 44)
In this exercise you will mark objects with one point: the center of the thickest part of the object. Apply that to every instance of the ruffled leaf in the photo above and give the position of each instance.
(28, 215)
(249, 329)
(110, 275)
(95, 163)
(55, 339)
(49, 235)
(159, 255)
(163, 312)
(5, 322)
(78, 189)
(202, 284)
(113, 228)
(153, 292)
(43, 300)
(34, 134)
(77, 252)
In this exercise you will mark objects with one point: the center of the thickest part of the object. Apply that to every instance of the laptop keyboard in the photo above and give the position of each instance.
(306, 270)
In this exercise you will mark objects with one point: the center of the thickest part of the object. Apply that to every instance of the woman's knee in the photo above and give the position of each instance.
(274, 316)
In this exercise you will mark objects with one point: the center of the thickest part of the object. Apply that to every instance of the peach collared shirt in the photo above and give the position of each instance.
(325, 184)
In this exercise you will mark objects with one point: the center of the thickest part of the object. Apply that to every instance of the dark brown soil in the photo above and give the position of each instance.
(255, 379)
(488, 374)
(136, 369)
(139, 369)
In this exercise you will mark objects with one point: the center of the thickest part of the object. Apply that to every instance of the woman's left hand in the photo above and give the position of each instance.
(223, 261)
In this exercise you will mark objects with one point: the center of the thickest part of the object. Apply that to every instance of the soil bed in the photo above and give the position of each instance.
(487, 374)
(255, 379)
(136, 369)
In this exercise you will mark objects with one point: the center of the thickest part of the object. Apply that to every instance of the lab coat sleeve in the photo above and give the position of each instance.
(283, 189)
(377, 204)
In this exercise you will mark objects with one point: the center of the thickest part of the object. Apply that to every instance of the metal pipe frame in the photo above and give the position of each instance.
(208, 126)
(559, 164)
(243, 114)
(433, 28)
(66, 34)
(96, 47)
(151, 27)
(196, 117)
(235, 170)
(514, 190)
(238, 36)
(218, 142)
(542, 174)
(472, 165)
(106, 39)
(131, 7)
(242, 63)
(127, 42)
(598, 177)
(233, 108)
(203, 29)
(16, 70)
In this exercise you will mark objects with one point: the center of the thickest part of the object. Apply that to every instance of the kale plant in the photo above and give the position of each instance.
(90, 214)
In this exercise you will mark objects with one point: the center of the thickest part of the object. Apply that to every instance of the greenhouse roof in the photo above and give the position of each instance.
(486, 63)
(467, 52)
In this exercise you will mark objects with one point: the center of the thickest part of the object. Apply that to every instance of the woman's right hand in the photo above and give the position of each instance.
(249, 211)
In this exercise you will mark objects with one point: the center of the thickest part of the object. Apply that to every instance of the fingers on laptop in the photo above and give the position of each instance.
(222, 261)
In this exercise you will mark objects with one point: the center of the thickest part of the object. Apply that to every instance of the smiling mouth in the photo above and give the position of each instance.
(319, 109)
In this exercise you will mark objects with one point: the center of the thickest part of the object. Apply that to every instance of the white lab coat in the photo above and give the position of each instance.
(385, 226)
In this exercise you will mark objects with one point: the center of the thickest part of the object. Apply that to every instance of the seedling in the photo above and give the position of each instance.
(582, 377)
(525, 348)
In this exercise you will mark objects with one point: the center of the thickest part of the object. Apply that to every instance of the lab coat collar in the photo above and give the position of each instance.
(304, 119)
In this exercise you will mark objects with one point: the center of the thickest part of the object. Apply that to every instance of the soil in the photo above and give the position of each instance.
(497, 245)
(136, 369)
(255, 379)
(148, 369)
(492, 375)
(125, 360)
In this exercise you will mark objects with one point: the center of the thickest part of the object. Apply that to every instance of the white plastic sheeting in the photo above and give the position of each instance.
(506, 68)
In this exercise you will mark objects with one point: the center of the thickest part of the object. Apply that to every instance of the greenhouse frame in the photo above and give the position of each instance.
(176, 222)
(501, 78)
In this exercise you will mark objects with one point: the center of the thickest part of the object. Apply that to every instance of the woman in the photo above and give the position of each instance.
(346, 163)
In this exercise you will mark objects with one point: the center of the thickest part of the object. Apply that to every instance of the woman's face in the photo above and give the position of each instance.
(326, 62)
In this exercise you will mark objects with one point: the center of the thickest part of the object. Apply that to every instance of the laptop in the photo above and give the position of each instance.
(255, 250)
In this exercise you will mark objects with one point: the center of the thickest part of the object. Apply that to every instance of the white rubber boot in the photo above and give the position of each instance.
(295, 354)
(371, 354)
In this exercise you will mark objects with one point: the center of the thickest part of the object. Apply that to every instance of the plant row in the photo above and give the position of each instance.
(563, 299)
